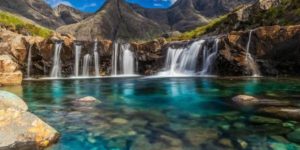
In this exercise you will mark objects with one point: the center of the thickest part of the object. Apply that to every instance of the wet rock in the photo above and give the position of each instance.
(198, 136)
(171, 140)
(225, 142)
(88, 99)
(245, 100)
(294, 136)
(119, 121)
(21, 128)
(243, 144)
(9, 100)
(292, 113)
(264, 120)
(278, 138)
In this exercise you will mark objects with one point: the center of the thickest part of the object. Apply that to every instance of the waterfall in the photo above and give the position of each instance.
(86, 65)
(29, 61)
(209, 57)
(183, 61)
(56, 69)
(96, 59)
(115, 59)
(123, 60)
(249, 59)
(128, 60)
(77, 59)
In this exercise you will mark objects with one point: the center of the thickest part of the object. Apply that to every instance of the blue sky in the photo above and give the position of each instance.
(93, 5)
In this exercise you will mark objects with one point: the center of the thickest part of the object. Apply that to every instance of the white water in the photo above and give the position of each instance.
(182, 61)
(96, 59)
(249, 59)
(86, 65)
(56, 69)
(29, 61)
(114, 59)
(123, 62)
(208, 58)
(77, 59)
(128, 60)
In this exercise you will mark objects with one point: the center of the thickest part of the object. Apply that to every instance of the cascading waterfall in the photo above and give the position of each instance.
(209, 57)
(29, 61)
(56, 69)
(249, 59)
(128, 60)
(77, 59)
(123, 60)
(182, 61)
(115, 59)
(96, 59)
(86, 65)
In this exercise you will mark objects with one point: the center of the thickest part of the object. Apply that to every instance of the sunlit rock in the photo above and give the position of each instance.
(9, 100)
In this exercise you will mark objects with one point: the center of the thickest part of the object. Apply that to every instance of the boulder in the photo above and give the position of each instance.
(9, 100)
(20, 129)
(88, 99)
(23, 130)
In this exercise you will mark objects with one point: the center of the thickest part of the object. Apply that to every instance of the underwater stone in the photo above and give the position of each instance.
(88, 99)
(279, 138)
(264, 120)
(245, 100)
(225, 142)
(198, 136)
(119, 121)
(242, 143)
(171, 140)
(294, 136)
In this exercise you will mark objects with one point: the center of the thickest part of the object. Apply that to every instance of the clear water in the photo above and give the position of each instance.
(155, 109)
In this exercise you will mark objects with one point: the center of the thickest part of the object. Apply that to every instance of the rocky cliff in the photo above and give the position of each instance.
(69, 15)
(115, 20)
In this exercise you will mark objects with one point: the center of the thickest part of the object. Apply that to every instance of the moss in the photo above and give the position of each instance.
(16, 23)
(200, 30)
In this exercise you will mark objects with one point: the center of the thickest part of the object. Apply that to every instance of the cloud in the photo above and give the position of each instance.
(55, 3)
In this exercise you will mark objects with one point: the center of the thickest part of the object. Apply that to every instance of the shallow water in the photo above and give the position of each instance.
(154, 113)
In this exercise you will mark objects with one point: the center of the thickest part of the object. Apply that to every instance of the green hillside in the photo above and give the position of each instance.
(22, 26)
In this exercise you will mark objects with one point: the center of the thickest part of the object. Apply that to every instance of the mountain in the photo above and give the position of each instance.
(115, 20)
(69, 14)
(188, 14)
(36, 10)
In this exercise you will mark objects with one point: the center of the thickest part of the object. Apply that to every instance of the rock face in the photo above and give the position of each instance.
(37, 10)
(20, 129)
(10, 73)
(115, 20)
(188, 14)
(275, 50)
(69, 15)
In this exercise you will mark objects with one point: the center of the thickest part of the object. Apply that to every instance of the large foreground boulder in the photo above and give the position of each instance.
(20, 129)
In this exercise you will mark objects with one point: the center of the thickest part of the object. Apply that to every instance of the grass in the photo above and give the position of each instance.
(200, 30)
(20, 25)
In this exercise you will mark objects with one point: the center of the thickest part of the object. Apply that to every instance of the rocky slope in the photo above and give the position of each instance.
(116, 19)
(69, 15)
(185, 15)
(37, 10)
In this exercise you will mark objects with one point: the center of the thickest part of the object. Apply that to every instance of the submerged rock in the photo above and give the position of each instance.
(245, 100)
(119, 121)
(264, 120)
(198, 136)
(294, 136)
(88, 99)
(9, 100)
(282, 112)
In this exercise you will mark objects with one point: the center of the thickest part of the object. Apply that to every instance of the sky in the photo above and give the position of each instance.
(94, 5)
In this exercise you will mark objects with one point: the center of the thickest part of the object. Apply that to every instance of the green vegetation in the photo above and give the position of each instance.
(200, 30)
(18, 24)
